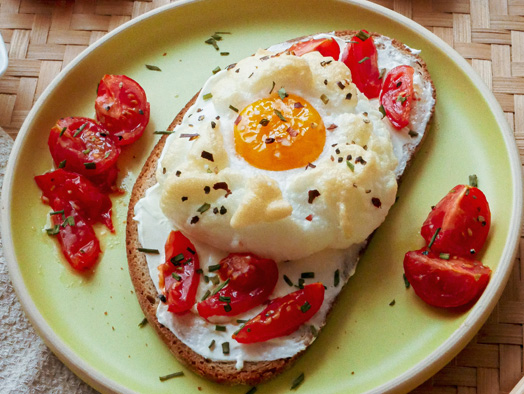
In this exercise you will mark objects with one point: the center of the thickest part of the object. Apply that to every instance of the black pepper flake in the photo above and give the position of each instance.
(325, 82)
(206, 155)
(337, 151)
(360, 160)
(222, 186)
(207, 189)
(269, 140)
(348, 96)
(340, 159)
(341, 85)
(194, 219)
(162, 298)
(376, 202)
(215, 210)
(184, 198)
(213, 125)
(178, 173)
(349, 157)
(312, 194)
(201, 118)
(164, 170)
(223, 210)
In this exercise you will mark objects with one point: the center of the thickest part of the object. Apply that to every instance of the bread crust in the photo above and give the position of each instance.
(252, 373)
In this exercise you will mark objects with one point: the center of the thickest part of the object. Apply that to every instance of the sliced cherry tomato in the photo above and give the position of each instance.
(251, 280)
(397, 95)
(462, 218)
(81, 145)
(178, 276)
(283, 315)
(121, 106)
(84, 196)
(360, 55)
(446, 282)
(326, 47)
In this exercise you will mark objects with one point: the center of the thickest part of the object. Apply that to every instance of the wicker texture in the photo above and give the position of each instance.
(44, 36)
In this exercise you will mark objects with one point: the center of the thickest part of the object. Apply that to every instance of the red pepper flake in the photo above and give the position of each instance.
(348, 96)
(309, 217)
(207, 189)
(238, 119)
(206, 155)
(360, 160)
(223, 186)
(194, 219)
(312, 194)
(292, 132)
(178, 173)
(310, 165)
(298, 105)
(376, 202)
(332, 127)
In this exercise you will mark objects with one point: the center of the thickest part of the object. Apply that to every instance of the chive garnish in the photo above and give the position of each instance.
(178, 258)
(90, 166)
(152, 68)
(336, 279)
(406, 282)
(224, 299)
(207, 96)
(350, 165)
(412, 133)
(216, 69)
(57, 212)
(220, 328)
(287, 280)
(171, 376)
(401, 98)
(207, 294)
(199, 271)
(279, 114)
(433, 238)
(224, 53)
(86, 152)
(272, 87)
(282, 93)
(307, 275)
(305, 307)
(363, 35)
(79, 130)
(314, 330)
(227, 308)
(392, 303)
(63, 131)
(176, 277)
(147, 250)
(68, 221)
(473, 180)
(324, 99)
(214, 279)
(162, 132)
(233, 108)
(214, 267)
(220, 287)
(444, 256)
(298, 381)
(213, 42)
(62, 164)
(363, 60)
(204, 207)
(142, 323)
(212, 345)
(242, 321)
(53, 230)
(225, 347)
(252, 390)
(264, 122)
(382, 110)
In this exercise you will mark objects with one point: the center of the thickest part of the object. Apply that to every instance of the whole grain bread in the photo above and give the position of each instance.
(223, 372)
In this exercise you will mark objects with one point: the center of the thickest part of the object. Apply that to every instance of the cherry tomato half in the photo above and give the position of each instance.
(87, 199)
(326, 47)
(251, 281)
(462, 218)
(178, 276)
(81, 145)
(283, 315)
(76, 205)
(121, 106)
(360, 55)
(397, 95)
(446, 282)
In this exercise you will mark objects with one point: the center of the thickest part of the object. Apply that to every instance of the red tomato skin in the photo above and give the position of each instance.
(396, 96)
(464, 219)
(77, 141)
(445, 283)
(88, 200)
(251, 281)
(121, 106)
(326, 47)
(180, 294)
(282, 316)
(364, 73)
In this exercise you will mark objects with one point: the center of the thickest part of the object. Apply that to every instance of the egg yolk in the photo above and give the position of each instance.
(278, 134)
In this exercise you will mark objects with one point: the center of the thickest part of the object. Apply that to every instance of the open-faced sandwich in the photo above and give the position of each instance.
(249, 218)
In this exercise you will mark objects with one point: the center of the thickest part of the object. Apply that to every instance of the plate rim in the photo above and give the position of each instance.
(416, 374)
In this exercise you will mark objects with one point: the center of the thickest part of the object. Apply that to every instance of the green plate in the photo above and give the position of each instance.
(91, 322)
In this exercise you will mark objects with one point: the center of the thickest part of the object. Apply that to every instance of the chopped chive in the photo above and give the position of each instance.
(57, 212)
(80, 129)
(350, 165)
(162, 132)
(382, 110)
(406, 281)
(191, 250)
(227, 308)
(204, 207)
(224, 53)
(444, 256)
(305, 307)
(171, 376)
(207, 96)
(264, 122)
(206, 295)
(225, 347)
(279, 114)
(324, 99)
(216, 69)
(224, 299)
(272, 87)
(63, 131)
(176, 277)
(220, 328)
(214, 279)
(363, 60)
(252, 390)
(90, 166)
(152, 68)
(68, 221)
(282, 93)
(213, 42)
(307, 275)
(301, 283)
(222, 285)
(233, 108)
(363, 35)
(288, 281)
(222, 32)
(433, 238)
(298, 381)
(214, 267)
(412, 133)
(216, 36)
(401, 98)
(392, 303)
(199, 271)
(86, 152)
(473, 180)
(53, 230)
(142, 323)
(147, 250)
(382, 72)
(178, 258)
(314, 330)
(336, 279)
(62, 164)
(212, 344)
(241, 321)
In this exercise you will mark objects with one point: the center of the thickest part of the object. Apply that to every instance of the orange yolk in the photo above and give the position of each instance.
(279, 134)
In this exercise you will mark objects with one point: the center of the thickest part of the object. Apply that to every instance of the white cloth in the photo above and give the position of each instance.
(27, 366)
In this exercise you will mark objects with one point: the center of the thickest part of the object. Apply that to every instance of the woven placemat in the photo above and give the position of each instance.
(44, 36)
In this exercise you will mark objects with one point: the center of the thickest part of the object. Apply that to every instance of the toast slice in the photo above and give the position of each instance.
(251, 372)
